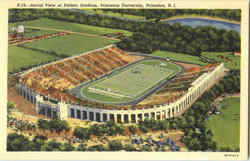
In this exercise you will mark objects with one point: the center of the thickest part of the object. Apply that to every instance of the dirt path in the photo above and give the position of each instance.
(71, 32)
(187, 66)
(25, 40)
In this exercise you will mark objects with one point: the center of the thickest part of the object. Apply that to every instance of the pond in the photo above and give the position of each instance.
(194, 22)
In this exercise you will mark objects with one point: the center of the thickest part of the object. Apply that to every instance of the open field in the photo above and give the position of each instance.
(226, 127)
(37, 33)
(131, 82)
(231, 61)
(179, 57)
(19, 57)
(74, 27)
(70, 44)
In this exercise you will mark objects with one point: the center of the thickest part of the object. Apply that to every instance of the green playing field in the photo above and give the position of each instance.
(70, 44)
(226, 127)
(131, 82)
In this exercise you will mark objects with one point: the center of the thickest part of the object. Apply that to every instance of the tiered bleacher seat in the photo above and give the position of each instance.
(115, 57)
(53, 79)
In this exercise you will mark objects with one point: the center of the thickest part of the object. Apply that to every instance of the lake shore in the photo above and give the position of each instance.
(201, 17)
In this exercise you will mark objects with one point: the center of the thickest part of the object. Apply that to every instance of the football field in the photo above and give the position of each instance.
(133, 81)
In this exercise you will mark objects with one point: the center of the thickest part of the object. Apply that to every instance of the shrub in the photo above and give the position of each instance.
(115, 145)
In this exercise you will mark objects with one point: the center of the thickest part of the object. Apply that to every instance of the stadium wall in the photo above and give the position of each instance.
(159, 112)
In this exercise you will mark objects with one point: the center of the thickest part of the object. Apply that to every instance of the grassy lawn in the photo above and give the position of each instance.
(131, 82)
(231, 61)
(179, 57)
(37, 33)
(70, 44)
(19, 57)
(226, 127)
(74, 27)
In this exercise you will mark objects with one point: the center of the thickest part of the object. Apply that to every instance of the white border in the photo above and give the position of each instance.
(195, 4)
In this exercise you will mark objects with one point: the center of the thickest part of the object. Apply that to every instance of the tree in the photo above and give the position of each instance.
(37, 144)
(132, 129)
(143, 128)
(51, 146)
(16, 142)
(182, 123)
(43, 124)
(115, 145)
(10, 106)
(146, 148)
(58, 125)
(81, 147)
(129, 147)
(99, 147)
(81, 133)
(96, 130)
(67, 147)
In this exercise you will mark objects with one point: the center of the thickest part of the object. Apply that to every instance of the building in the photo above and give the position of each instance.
(64, 109)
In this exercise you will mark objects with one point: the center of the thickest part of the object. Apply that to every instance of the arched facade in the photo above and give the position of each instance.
(159, 112)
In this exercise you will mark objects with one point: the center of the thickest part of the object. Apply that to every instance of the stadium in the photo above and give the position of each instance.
(111, 84)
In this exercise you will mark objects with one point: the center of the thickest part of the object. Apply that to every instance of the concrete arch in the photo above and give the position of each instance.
(64, 110)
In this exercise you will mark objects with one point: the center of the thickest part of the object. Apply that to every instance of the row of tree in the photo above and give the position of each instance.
(229, 84)
(109, 128)
(19, 142)
(53, 125)
(197, 136)
(183, 39)
(17, 15)
(231, 14)
(148, 36)
(16, 142)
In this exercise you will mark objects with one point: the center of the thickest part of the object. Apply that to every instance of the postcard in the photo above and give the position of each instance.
(124, 80)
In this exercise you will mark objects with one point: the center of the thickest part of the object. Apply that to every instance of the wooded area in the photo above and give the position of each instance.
(148, 36)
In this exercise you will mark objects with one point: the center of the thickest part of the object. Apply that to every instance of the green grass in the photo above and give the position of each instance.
(70, 44)
(131, 82)
(19, 57)
(102, 97)
(230, 61)
(37, 33)
(179, 57)
(74, 27)
(226, 127)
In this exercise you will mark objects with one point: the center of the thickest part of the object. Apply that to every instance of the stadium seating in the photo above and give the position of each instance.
(53, 79)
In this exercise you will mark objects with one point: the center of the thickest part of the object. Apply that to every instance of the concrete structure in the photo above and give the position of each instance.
(159, 112)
